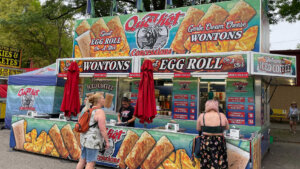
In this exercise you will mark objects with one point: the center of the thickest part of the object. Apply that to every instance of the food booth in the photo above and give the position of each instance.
(210, 51)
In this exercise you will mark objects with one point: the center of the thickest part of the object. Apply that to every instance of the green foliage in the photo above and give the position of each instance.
(288, 10)
(25, 24)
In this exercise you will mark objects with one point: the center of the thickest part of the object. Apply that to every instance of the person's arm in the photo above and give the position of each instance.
(119, 117)
(226, 121)
(101, 119)
(132, 119)
(199, 123)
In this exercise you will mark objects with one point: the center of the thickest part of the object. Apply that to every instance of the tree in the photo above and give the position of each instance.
(298, 46)
(25, 25)
(288, 10)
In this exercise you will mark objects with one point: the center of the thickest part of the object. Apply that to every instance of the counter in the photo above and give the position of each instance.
(57, 138)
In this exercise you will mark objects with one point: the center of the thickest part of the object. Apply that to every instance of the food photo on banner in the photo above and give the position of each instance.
(129, 147)
(207, 28)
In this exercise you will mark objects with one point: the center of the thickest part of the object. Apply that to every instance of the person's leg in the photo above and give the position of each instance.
(90, 165)
(81, 163)
(295, 125)
(291, 125)
(91, 158)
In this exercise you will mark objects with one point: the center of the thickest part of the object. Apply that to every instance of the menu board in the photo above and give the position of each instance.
(184, 102)
(104, 86)
(134, 91)
(240, 101)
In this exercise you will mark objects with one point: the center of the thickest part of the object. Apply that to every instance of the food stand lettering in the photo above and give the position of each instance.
(214, 63)
(10, 57)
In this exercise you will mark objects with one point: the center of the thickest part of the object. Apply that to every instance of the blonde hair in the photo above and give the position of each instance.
(212, 105)
(94, 98)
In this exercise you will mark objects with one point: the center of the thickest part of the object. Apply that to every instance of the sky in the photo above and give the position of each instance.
(283, 35)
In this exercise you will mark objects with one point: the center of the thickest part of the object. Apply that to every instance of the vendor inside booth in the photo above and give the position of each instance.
(188, 69)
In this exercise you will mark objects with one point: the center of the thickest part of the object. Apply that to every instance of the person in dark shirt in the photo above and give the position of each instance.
(125, 113)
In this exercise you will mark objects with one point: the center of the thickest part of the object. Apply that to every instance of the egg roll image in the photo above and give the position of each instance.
(83, 27)
(55, 135)
(126, 146)
(116, 27)
(99, 27)
(77, 136)
(140, 151)
(241, 12)
(159, 153)
(70, 142)
(215, 15)
(192, 17)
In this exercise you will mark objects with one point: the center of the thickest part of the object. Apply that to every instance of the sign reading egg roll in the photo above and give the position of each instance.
(208, 28)
(274, 65)
(212, 63)
(98, 65)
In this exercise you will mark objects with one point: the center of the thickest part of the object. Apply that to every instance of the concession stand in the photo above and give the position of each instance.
(10, 64)
(210, 51)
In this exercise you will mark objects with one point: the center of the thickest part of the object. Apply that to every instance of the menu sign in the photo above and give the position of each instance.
(274, 65)
(184, 98)
(98, 66)
(5, 72)
(240, 101)
(104, 86)
(208, 28)
(134, 91)
(200, 64)
(10, 57)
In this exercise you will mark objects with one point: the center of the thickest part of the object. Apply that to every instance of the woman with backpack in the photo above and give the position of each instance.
(293, 116)
(92, 140)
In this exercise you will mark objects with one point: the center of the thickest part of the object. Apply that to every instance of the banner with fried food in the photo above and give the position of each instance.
(230, 62)
(133, 148)
(206, 28)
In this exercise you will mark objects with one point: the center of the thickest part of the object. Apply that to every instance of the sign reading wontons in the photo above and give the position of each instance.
(10, 57)
(209, 28)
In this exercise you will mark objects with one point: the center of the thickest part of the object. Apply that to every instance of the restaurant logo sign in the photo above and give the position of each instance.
(266, 64)
(229, 63)
(152, 32)
(240, 86)
(99, 66)
(27, 96)
(114, 136)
